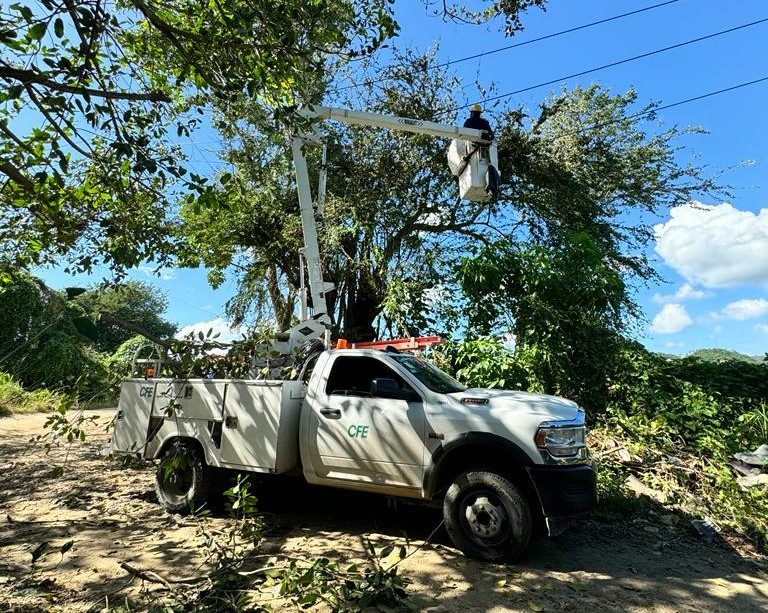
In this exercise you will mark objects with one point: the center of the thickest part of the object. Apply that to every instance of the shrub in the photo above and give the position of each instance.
(15, 399)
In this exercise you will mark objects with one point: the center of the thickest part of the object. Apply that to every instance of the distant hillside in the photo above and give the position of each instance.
(722, 355)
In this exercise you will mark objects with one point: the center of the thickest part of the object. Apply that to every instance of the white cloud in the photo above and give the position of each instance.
(163, 274)
(672, 318)
(684, 292)
(762, 328)
(744, 309)
(674, 344)
(715, 246)
(226, 333)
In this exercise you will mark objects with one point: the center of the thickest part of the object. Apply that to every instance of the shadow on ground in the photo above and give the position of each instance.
(109, 513)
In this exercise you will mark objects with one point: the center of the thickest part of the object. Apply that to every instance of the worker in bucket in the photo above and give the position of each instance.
(478, 122)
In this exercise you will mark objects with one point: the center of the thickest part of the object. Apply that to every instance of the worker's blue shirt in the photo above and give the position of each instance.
(478, 123)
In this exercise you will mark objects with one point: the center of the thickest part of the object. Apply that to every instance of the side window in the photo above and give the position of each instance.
(308, 368)
(352, 376)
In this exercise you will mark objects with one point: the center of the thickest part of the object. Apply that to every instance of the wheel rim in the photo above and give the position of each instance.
(484, 517)
(177, 485)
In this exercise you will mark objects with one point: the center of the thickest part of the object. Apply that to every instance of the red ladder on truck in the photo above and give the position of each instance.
(412, 343)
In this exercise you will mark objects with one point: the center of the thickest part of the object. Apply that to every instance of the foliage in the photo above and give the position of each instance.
(391, 216)
(41, 343)
(136, 302)
(679, 419)
(723, 355)
(347, 589)
(121, 361)
(102, 87)
(232, 584)
(15, 399)
(490, 9)
(695, 482)
(563, 306)
(753, 426)
(483, 362)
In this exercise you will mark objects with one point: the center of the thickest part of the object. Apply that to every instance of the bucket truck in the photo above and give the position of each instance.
(375, 419)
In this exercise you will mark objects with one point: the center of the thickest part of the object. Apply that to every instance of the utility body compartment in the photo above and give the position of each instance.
(240, 424)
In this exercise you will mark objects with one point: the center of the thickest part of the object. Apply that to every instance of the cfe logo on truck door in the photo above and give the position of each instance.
(358, 431)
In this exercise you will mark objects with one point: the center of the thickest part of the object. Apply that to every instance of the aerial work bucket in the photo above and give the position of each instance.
(477, 168)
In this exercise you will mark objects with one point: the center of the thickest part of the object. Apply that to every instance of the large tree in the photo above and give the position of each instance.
(587, 181)
(92, 92)
(42, 340)
(135, 302)
(392, 220)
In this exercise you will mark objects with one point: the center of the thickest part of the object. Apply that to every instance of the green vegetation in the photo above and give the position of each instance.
(239, 577)
(95, 96)
(724, 355)
(672, 423)
(15, 399)
(53, 340)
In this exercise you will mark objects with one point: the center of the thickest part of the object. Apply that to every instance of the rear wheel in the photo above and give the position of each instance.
(183, 481)
(487, 517)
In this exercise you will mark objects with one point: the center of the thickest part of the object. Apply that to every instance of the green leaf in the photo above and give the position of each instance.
(58, 27)
(37, 31)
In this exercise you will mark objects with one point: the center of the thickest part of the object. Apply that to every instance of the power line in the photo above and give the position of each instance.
(611, 64)
(695, 98)
(656, 109)
(555, 34)
(523, 43)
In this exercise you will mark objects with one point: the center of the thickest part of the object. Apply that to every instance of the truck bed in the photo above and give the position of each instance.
(241, 424)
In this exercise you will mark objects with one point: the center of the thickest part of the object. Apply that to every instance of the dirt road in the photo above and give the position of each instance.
(110, 515)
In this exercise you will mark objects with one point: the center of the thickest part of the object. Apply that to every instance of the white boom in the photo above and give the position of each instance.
(392, 122)
(320, 322)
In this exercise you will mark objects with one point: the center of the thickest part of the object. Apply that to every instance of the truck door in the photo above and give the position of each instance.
(357, 437)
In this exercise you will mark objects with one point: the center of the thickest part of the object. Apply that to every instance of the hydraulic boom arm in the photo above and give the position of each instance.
(317, 325)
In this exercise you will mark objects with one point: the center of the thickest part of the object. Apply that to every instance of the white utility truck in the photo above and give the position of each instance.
(376, 420)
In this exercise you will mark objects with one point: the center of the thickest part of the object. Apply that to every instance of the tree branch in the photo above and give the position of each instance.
(59, 130)
(26, 77)
(16, 175)
(172, 33)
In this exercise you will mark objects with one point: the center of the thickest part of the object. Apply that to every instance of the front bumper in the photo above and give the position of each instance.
(564, 492)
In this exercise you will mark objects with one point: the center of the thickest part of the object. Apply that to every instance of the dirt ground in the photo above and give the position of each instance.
(110, 514)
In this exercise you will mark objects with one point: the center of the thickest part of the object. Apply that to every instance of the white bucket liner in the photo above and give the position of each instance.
(469, 162)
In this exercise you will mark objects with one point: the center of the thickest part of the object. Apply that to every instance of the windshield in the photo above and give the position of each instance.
(434, 378)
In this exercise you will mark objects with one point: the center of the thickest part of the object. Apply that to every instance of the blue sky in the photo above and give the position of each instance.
(713, 256)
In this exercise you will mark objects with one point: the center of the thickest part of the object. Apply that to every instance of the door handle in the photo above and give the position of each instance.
(331, 413)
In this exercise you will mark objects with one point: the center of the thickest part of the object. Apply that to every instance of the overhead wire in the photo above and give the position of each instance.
(553, 35)
(610, 64)
(662, 107)
(687, 100)
(522, 43)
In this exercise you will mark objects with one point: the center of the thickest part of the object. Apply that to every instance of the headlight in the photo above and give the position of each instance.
(562, 442)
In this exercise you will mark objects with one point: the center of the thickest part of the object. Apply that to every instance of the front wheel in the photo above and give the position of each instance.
(487, 517)
(183, 481)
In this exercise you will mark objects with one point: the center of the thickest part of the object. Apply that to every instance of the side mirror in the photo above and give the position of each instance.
(388, 388)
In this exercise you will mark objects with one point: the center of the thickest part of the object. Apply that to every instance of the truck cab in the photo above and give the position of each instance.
(393, 423)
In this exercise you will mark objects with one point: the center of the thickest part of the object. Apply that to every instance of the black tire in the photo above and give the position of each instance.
(487, 517)
(188, 485)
